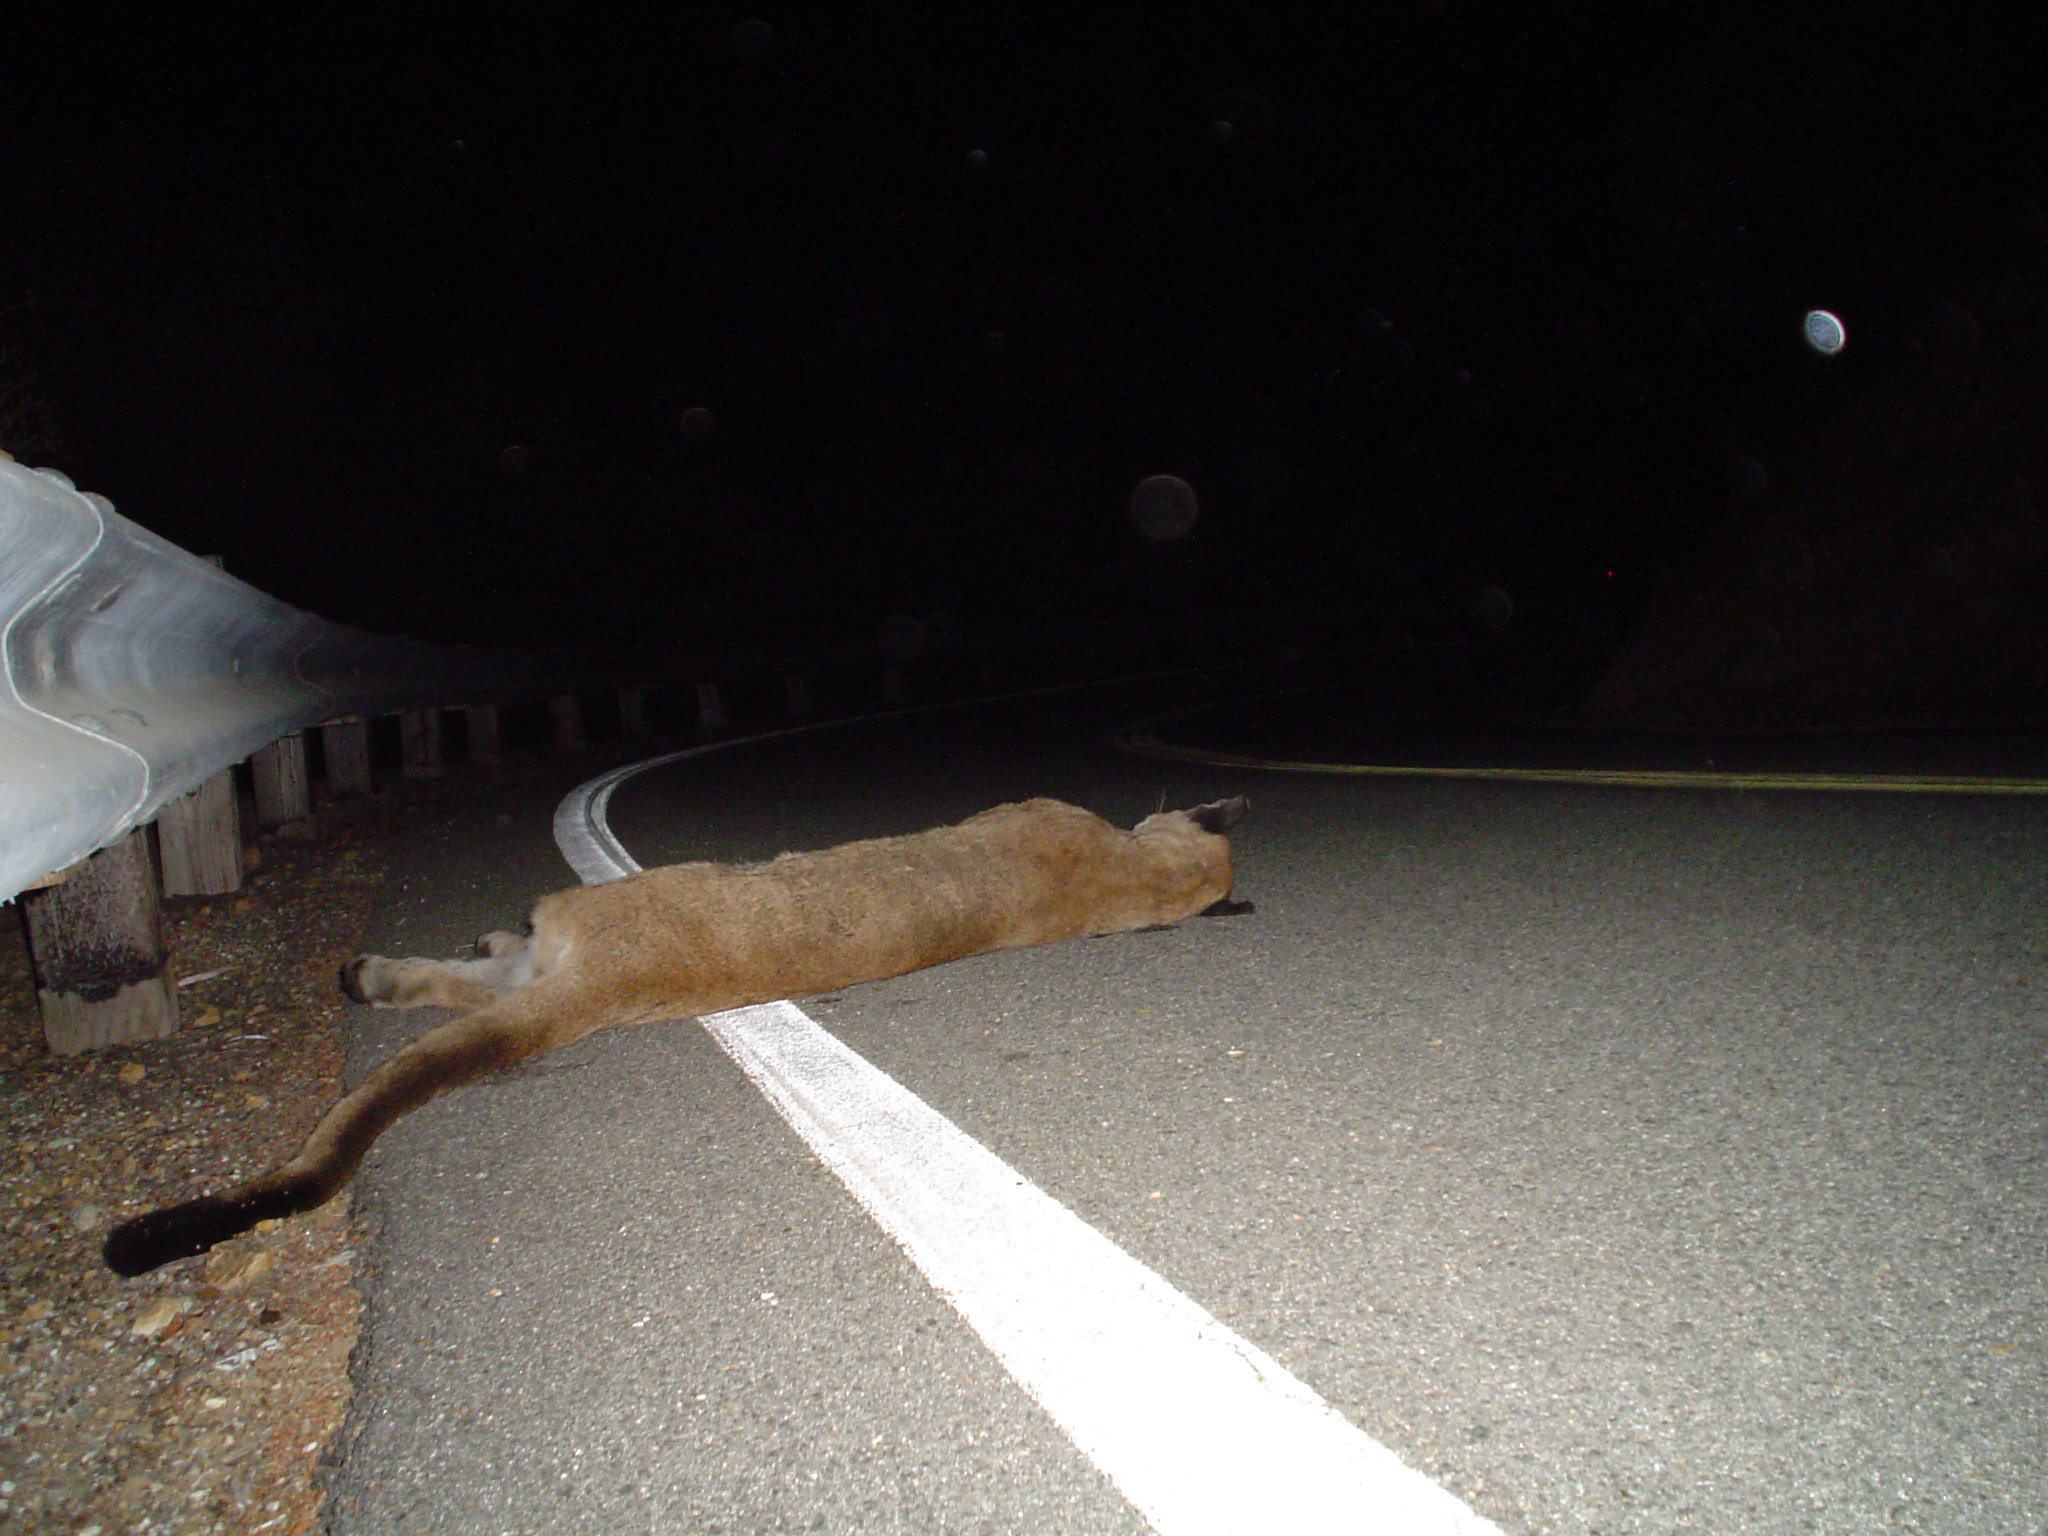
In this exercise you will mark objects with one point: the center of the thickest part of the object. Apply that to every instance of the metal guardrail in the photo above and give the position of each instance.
(131, 672)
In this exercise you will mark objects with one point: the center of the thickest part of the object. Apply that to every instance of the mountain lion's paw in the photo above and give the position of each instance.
(363, 980)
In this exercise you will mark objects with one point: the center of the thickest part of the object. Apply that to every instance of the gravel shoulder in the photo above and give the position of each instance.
(204, 1397)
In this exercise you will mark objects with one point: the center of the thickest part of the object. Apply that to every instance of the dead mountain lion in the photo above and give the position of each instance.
(699, 938)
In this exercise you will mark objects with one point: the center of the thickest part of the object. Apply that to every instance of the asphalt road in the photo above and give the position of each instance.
(1629, 1161)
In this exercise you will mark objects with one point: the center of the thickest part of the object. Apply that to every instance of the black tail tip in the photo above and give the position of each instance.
(157, 1238)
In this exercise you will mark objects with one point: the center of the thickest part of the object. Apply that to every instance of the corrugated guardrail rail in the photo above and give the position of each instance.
(132, 671)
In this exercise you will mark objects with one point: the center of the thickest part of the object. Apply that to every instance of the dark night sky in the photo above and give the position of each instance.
(401, 316)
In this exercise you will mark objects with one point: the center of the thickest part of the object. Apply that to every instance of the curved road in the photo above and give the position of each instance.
(1626, 1161)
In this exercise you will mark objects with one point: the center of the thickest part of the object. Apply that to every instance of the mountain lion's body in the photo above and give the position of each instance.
(692, 939)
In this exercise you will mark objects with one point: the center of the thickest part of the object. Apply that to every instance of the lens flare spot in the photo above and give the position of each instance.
(1164, 508)
(902, 637)
(1491, 608)
(1824, 332)
(751, 39)
(1748, 480)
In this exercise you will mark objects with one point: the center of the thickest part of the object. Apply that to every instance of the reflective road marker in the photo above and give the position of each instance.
(1204, 1433)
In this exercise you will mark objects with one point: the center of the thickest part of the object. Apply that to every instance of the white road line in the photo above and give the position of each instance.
(1204, 1433)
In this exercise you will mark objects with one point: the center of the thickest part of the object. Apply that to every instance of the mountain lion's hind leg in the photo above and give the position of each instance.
(504, 963)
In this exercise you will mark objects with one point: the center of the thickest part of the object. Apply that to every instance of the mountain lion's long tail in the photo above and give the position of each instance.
(446, 1057)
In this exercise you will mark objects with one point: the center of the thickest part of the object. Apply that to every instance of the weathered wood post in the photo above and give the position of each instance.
(96, 943)
(711, 716)
(633, 710)
(282, 793)
(199, 838)
(419, 743)
(345, 744)
(567, 711)
(484, 742)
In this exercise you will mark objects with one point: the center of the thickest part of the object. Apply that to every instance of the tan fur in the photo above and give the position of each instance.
(692, 939)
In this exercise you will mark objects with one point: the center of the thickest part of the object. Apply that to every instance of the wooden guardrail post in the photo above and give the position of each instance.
(567, 711)
(419, 743)
(711, 715)
(96, 944)
(200, 840)
(282, 793)
(484, 742)
(633, 710)
(345, 746)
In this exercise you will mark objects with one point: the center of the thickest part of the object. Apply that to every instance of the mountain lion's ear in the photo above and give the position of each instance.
(1219, 815)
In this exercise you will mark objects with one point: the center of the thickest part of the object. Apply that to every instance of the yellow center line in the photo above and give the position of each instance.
(1144, 743)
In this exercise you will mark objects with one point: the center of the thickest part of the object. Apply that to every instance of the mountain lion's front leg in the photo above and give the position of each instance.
(503, 964)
